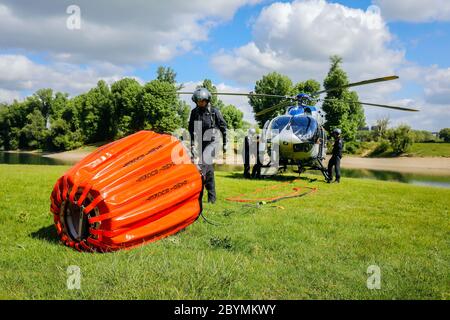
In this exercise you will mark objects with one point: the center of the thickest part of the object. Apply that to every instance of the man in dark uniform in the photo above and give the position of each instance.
(203, 124)
(248, 151)
(336, 156)
(256, 171)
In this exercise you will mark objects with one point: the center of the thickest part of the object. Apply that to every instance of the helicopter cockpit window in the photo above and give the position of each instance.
(304, 126)
(279, 123)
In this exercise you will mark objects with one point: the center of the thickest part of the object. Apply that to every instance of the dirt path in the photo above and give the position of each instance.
(74, 156)
(432, 166)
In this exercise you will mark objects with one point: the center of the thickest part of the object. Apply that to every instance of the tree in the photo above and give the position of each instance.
(61, 137)
(5, 127)
(233, 116)
(444, 134)
(309, 86)
(34, 134)
(341, 112)
(400, 138)
(272, 83)
(43, 101)
(127, 111)
(381, 128)
(159, 103)
(96, 112)
(59, 103)
(184, 111)
(166, 75)
(423, 136)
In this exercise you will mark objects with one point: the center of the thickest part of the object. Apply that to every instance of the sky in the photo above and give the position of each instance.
(51, 43)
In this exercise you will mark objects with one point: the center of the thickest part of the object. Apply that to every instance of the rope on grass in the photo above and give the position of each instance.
(297, 191)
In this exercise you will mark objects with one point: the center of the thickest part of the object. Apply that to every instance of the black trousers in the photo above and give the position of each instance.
(336, 162)
(246, 158)
(256, 171)
(210, 186)
(246, 170)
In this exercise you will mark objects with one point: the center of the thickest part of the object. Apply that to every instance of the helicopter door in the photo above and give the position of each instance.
(264, 131)
(323, 144)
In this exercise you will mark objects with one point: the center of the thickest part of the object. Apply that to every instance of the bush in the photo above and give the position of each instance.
(444, 134)
(364, 136)
(400, 138)
(351, 147)
(423, 136)
(62, 138)
(381, 147)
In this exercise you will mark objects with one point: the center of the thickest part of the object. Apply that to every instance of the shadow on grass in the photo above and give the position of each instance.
(47, 234)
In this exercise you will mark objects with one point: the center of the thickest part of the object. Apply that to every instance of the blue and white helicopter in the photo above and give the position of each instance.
(299, 133)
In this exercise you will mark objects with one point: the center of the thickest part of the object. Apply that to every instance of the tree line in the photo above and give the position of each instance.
(53, 121)
(341, 107)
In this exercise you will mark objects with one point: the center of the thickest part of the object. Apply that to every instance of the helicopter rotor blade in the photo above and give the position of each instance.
(360, 83)
(277, 106)
(250, 94)
(375, 105)
(389, 107)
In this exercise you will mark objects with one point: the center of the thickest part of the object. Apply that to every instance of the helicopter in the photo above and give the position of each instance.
(299, 134)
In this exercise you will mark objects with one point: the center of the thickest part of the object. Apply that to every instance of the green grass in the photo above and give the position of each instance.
(430, 150)
(317, 247)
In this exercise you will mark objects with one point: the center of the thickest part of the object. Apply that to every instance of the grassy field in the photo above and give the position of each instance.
(315, 247)
(430, 150)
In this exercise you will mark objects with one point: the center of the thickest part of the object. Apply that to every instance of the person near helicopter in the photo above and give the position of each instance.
(204, 122)
(251, 149)
(256, 171)
(336, 156)
(246, 152)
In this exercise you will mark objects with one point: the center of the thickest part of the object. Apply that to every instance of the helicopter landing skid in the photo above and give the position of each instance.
(322, 169)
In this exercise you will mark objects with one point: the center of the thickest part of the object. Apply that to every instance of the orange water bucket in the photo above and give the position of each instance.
(138, 189)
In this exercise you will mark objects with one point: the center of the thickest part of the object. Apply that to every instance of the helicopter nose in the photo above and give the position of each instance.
(303, 147)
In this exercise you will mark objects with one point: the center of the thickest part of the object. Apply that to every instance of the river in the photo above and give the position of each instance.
(411, 178)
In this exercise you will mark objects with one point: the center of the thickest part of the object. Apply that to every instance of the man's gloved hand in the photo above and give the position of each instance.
(193, 153)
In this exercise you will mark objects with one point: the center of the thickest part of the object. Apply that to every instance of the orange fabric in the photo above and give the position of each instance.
(133, 190)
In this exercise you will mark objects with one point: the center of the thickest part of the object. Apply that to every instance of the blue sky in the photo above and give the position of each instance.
(234, 43)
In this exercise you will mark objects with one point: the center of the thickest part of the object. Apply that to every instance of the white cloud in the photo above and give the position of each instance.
(437, 89)
(9, 95)
(415, 10)
(119, 32)
(297, 39)
(19, 73)
(434, 80)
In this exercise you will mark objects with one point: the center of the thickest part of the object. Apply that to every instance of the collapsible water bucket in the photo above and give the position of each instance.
(138, 189)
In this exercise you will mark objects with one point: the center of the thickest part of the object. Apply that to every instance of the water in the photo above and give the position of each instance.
(410, 178)
(29, 158)
(416, 179)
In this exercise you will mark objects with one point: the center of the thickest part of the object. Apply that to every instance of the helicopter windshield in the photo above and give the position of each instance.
(279, 123)
(304, 126)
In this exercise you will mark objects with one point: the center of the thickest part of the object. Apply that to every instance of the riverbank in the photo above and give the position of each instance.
(417, 165)
(426, 165)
